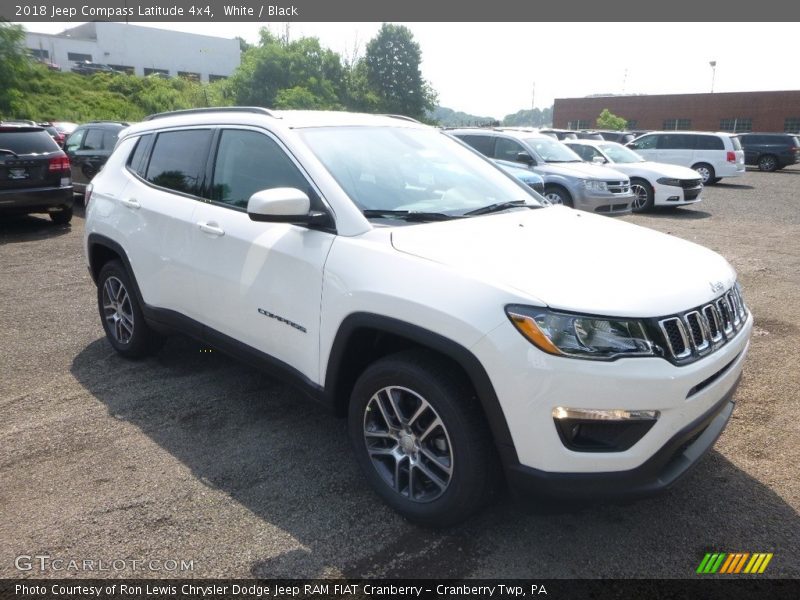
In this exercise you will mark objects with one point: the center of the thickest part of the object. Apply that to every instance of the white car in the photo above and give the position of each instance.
(713, 155)
(468, 333)
(654, 184)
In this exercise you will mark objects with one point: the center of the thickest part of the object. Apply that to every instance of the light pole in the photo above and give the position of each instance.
(713, 65)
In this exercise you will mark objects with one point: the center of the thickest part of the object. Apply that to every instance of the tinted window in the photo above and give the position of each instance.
(587, 153)
(647, 142)
(247, 162)
(138, 160)
(74, 140)
(506, 149)
(677, 141)
(749, 140)
(482, 143)
(737, 145)
(710, 142)
(27, 142)
(178, 160)
(93, 140)
(110, 139)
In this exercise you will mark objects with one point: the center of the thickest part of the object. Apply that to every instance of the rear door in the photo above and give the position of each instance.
(259, 283)
(676, 148)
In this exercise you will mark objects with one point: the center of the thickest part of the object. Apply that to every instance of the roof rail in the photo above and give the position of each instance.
(110, 121)
(403, 117)
(210, 109)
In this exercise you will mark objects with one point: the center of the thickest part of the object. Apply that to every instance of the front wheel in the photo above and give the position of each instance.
(421, 439)
(62, 217)
(558, 195)
(644, 197)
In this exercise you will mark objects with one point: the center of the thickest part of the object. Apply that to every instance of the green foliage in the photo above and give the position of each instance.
(393, 73)
(608, 120)
(530, 118)
(14, 64)
(447, 117)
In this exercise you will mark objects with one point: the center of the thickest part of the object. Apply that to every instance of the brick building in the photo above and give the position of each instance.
(733, 111)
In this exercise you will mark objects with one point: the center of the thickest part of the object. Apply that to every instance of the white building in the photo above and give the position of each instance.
(139, 50)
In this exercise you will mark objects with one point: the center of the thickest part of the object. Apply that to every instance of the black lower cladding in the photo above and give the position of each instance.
(659, 472)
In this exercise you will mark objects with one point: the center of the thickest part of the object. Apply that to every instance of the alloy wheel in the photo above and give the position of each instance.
(640, 193)
(117, 310)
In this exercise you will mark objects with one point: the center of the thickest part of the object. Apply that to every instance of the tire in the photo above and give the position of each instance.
(558, 195)
(768, 163)
(715, 180)
(644, 195)
(121, 315)
(62, 217)
(421, 439)
(706, 172)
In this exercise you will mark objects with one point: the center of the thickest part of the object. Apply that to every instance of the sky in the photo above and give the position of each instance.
(494, 69)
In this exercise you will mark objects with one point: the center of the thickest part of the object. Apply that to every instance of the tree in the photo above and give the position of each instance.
(393, 75)
(14, 65)
(608, 120)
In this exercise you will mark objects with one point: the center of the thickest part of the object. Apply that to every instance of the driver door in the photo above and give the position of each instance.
(259, 283)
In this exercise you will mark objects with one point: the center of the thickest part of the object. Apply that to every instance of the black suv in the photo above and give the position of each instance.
(34, 173)
(88, 149)
(770, 151)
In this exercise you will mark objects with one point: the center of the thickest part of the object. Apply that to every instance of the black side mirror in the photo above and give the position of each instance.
(525, 158)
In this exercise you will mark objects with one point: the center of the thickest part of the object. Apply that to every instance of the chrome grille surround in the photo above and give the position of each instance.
(700, 331)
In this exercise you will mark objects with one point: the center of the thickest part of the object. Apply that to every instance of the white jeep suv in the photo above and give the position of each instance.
(406, 282)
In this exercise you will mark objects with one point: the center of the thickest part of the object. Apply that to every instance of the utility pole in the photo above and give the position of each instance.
(713, 65)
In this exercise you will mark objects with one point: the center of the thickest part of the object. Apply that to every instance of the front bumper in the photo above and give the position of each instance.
(671, 195)
(604, 203)
(675, 459)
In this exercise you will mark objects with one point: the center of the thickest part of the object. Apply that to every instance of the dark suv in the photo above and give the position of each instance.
(34, 173)
(771, 151)
(88, 149)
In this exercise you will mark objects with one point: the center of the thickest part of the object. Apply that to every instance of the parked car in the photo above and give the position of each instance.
(89, 68)
(34, 174)
(65, 127)
(89, 147)
(713, 155)
(526, 176)
(770, 151)
(621, 137)
(567, 179)
(589, 135)
(561, 134)
(653, 184)
(54, 133)
(400, 279)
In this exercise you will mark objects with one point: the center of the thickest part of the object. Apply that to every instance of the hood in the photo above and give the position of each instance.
(580, 169)
(657, 169)
(574, 261)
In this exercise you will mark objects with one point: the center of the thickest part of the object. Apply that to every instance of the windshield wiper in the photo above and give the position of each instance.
(485, 210)
(408, 215)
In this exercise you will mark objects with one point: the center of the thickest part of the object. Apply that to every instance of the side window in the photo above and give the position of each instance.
(647, 142)
(709, 142)
(675, 141)
(74, 140)
(506, 149)
(248, 161)
(138, 159)
(110, 139)
(178, 160)
(587, 153)
(482, 143)
(93, 140)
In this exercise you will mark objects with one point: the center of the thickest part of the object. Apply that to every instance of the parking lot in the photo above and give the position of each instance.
(191, 456)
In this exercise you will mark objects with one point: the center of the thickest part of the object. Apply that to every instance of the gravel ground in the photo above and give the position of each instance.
(192, 456)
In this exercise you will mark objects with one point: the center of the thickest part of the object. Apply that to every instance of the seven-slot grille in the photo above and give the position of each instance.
(618, 187)
(701, 330)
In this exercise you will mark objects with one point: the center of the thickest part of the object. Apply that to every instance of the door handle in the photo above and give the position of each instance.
(211, 228)
(131, 202)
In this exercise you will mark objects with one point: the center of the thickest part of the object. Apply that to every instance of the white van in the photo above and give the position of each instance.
(713, 155)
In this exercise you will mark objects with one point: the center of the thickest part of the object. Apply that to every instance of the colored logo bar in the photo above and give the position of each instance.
(734, 563)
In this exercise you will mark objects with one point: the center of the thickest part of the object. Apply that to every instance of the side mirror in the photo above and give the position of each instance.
(284, 205)
(524, 157)
(599, 160)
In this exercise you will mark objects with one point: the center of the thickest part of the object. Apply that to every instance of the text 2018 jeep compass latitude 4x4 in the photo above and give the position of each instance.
(408, 283)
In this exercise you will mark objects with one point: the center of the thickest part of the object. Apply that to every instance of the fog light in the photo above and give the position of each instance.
(597, 430)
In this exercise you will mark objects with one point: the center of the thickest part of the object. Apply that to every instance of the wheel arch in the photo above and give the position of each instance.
(102, 249)
(364, 337)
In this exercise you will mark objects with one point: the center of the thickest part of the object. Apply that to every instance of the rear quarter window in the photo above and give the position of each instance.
(712, 142)
(28, 142)
(482, 143)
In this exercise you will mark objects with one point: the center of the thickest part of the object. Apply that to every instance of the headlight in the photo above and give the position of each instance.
(581, 336)
(669, 181)
(595, 185)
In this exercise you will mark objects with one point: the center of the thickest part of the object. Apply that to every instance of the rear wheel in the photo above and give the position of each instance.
(644, 197)
(558, 195)
(421, 439)
(768, 163)
(63, 216)
(706, 172)
(121, 314)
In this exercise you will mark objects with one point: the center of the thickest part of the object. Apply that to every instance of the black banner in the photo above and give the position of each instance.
(392, 10)
(702, 588)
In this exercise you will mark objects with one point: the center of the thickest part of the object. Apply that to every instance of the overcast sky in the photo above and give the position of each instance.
(490, 69)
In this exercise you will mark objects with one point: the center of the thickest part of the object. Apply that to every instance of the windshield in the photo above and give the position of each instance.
(620, 154)
(551, 150)
(408, 169)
